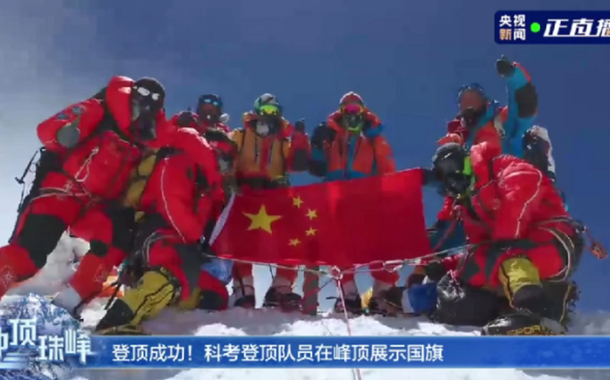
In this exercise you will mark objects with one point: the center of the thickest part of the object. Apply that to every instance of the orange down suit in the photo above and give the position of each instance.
(264, 162)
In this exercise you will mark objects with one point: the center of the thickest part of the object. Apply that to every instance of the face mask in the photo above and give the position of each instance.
(209, 113)
(145, 127)
(455, 176)
(470, 117)
(144, 106)
(263, 128)
(353, 121)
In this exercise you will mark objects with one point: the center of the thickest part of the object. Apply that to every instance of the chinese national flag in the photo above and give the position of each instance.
(338, 223)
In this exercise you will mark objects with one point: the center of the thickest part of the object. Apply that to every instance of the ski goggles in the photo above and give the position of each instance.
(146, 93)
(269, 110)
(451, 169)
(352, 108)
(475, 87)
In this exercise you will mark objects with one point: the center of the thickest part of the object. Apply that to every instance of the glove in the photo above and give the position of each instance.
(280, 182)
(505, 67)
(421, 298)
(299, 126)
(69, 135)
(186, 119)
(225, 163)
(321, 134)
(49, 161)
(429, 178)
(435, 270)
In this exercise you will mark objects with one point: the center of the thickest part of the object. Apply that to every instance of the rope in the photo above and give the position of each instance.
(355, 371)
(385, 266)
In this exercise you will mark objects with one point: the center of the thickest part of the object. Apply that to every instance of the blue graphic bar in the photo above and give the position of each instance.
(350, 352)
(552, 27)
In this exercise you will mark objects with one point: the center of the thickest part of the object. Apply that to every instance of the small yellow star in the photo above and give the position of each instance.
(294, 242)
(310, 232)
(262, 220)
(312, 214)
(297, 202)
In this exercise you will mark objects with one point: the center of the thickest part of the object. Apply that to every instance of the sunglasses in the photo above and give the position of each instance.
(269, 110)
(213, 102)
(145, 93)
(352, 108)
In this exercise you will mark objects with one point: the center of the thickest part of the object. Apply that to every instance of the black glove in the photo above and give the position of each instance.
(49, 161)
(505, 67)
(320, 135)
(186, 118)
(299, 126)
(435, 271)
(225, 163)
(280, 182)
(429, 178)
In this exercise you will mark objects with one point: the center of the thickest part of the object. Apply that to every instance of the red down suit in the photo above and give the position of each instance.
(512, 202)
(83, 178)
(180, 199)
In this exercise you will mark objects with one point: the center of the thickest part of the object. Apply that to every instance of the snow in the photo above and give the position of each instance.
(238, 322)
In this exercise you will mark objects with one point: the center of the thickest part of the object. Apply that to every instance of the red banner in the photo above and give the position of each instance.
(338, 223)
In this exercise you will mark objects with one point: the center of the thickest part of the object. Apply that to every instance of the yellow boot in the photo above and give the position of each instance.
(532, 314)
(153, 293)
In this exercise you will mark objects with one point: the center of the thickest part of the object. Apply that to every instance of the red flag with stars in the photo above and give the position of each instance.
(338, 223)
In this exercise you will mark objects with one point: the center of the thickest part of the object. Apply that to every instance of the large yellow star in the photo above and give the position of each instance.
(312, 214)
(310, 232)
(262, 220)
(294, 242)
(297, 202)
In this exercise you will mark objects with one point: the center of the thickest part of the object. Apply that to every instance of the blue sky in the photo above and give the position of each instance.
(407, 59)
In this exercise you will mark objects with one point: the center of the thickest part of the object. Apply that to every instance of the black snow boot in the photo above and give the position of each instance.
(286, 301)
(353, 305)
(248, 302)
(375, 307)
(537, 310)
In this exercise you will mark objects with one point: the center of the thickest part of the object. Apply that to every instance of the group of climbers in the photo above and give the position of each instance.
(518, 246)
(146, 192)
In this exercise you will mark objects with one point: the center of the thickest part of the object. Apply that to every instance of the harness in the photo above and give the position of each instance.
(262, 182)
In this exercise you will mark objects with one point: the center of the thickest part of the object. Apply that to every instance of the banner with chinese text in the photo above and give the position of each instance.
(350, 352)
(552, 27)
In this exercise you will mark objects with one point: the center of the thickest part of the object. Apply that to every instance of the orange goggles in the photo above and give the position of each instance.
(352, 108)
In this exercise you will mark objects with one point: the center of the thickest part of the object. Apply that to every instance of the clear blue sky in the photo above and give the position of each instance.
(407, 59)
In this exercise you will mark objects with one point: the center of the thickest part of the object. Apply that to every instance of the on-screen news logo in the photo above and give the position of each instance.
(545, 27)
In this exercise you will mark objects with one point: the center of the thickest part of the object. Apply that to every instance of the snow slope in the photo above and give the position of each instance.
(239, 322)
